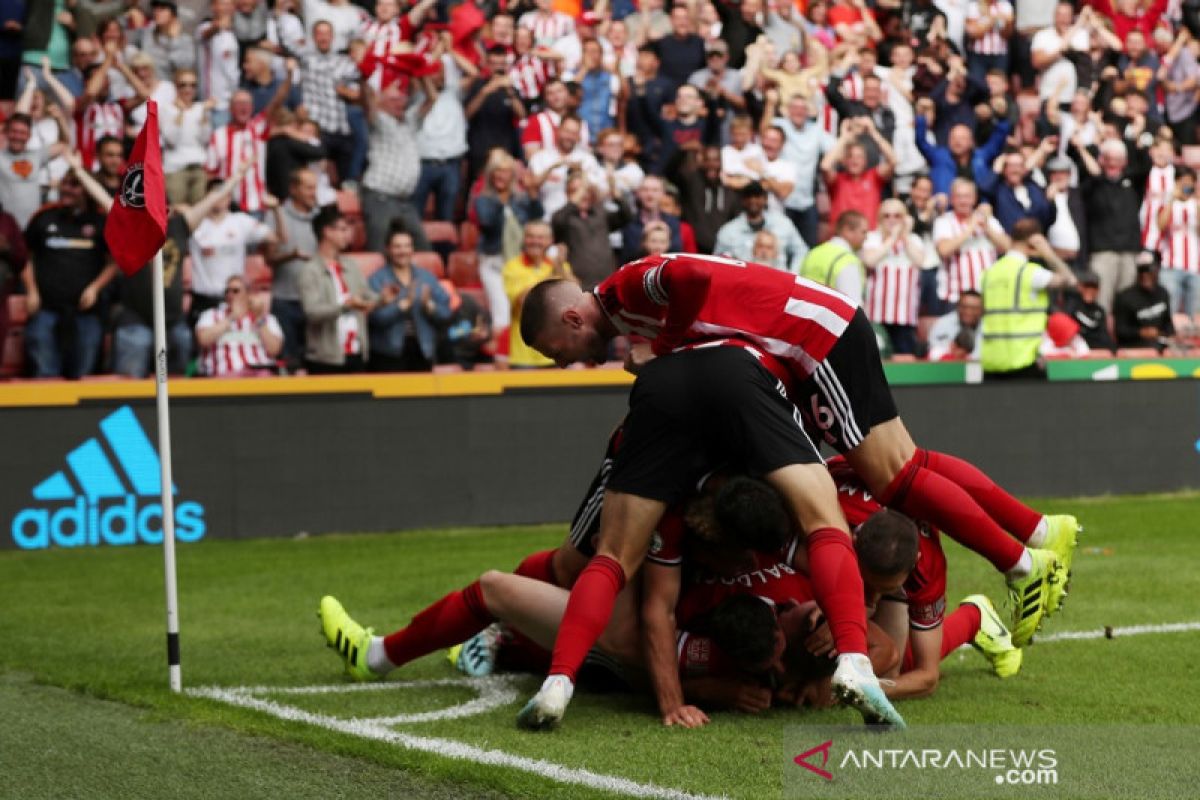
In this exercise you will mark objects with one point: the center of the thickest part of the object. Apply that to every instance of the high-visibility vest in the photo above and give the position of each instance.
(825, 263)
(1014, 315)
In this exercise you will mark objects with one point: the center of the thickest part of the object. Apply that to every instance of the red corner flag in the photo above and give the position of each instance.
(137, 224)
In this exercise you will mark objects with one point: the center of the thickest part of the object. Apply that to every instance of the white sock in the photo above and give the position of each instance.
(1038, 537)
(1023, 566)
(563, 680)
(377, 659)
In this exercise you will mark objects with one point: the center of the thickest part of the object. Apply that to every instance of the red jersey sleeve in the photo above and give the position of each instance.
(857, 503)
(925, 588)
(666, 545)
(700, 657)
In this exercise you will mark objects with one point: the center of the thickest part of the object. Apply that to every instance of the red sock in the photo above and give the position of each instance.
(456, 617)
(519, 653)
(958, 629)
(1014, 516)
(588, 612)
(927, 496)
(838, 588)
(539, 566)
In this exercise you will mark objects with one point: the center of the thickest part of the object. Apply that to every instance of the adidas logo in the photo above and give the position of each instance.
(98, 507)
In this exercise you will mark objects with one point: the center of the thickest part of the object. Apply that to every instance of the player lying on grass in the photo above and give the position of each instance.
(826, 343)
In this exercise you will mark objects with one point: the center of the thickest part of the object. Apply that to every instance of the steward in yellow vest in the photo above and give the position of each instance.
(836, 263)
(1016, 303)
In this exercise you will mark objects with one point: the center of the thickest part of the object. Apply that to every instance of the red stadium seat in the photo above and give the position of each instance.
(368, 263)
(430, 261)
(440, 233)
(349, 204)
(257, 273)
(452, 290)
(1137, 352)
(1191, 155)
(468, 236)
(464, 269)
(476, 294)
(16, 310)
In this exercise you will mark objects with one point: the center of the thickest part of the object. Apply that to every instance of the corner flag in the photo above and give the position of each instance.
(137, 224)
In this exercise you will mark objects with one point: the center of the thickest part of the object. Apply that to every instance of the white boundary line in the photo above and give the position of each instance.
(1113, 633)
(493, 692)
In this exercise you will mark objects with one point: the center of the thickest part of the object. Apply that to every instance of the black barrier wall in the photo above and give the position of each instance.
(267, 466)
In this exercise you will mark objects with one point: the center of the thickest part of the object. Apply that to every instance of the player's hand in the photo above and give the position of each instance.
(390, 292)
(260, 304)
(639, 356)
(750, 698)
(33, 303)
(87, 298)
(686, 716)
(820, 642)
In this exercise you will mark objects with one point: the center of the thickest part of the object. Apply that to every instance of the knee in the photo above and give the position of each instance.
(491, 584)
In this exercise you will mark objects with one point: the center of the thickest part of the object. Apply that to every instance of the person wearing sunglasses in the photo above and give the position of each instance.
(893, 255)
(239, 337)
(185, 126)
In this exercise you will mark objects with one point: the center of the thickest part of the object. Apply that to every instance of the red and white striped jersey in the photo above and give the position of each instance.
(93, 123)
(542, 127)
(238, 350)
(1160, 184)
(530, 74)
(852, 86)
(547, 28)
(1181, 242)
(381, 38)
(230, 145)
(676, 299)
(348, 333)
(892, 294)
(220, 67)
(993, 42)
(964, 269)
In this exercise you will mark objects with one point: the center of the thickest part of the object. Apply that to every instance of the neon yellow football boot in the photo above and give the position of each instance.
(1035, 596)
(347, 637)
(993, 639)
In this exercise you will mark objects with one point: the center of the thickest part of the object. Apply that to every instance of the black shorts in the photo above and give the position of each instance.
(693, 410)
(585, 525)
(848, 394)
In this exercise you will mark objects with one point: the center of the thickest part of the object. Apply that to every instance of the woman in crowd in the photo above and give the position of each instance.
(501, 210)
(893, 255)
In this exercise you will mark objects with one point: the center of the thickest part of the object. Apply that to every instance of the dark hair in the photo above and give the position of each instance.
(970, 293)
(886, 544)
(923, 177)
(395, 230)
(1025, 229)
(24, 119)
(497, 50)
(325, 218)
(110, 140)
(965, 340)
(751, 513)
(649, 48)
(744, 627)
(849, 219)
(1184, 171)
(299, 172)
(535, 311)
(753, 189)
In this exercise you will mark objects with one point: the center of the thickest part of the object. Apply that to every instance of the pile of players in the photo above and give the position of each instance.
(716, 558)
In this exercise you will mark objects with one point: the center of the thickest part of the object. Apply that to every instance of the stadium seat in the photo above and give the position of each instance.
(349, 204)
(452, 290)
(12, 353)
(257, 273)
(440, 233)
(368, 263)
(442, 369)
(16, 314)
(1191, 155)
(1137, 352)
(475, 293)
(464, 269)
(468, 236)
(430, 261)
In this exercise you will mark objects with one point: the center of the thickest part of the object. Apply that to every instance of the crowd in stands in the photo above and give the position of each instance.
(374, 185)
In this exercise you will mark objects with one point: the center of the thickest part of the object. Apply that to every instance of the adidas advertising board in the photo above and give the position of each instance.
(108, 494)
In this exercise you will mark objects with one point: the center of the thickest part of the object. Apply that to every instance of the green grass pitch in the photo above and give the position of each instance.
(85, 710)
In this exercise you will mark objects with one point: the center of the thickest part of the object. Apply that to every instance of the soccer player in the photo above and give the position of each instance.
(707, 405)
(829, 350)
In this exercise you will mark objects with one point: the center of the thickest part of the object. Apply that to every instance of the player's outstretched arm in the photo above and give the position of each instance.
(660, 593)
(922, 679)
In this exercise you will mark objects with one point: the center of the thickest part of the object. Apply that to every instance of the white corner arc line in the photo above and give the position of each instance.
(377, 729)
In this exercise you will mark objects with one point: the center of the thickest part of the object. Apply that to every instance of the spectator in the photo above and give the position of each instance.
(336, 301)
(1179, 77)
(959, 158)
(1068, 234)
(143, 78)
(739, 28)
(807, 143)
(404, 326)
(521, 274)
(68, 267)
(779, 174)
(1160, 186)
(291, 146)
(549, 169)
(1180, 274)
(649, 209)
(736, 237)
(893, 256)
(964, 319)
(546, 24)
(852, 184)
(239, 338)
(44, 131)
(1019, 197)
(869, 107)
(691, 123)
(720, 86)
(742, 160)
(96, 114)
(955, 99)
(20, 191)
(989, 25)
(1090, 315)
(967, 240)
(649, 22)
(601, 89)
(502, 209)
(583, 226)
(766, 250)
(1111, 193)
(165, 41)
(836, 263)
(656, 239)
(218, 50)
(681, 52)
(295, 244)
(393, 169)
(1129, 16)
(541, 130)
(1139, 64)
(494, 111)
(218, 249)
(110, 163)
(441, 123)
(1015, 303)
(47, 33)
(531, 72)
(1142, 312)
(706, 203)
(184, 125)
(329, 82)
(261, 83)
(924, 19)
(1051, 52)
(646, 93)
(244, 138)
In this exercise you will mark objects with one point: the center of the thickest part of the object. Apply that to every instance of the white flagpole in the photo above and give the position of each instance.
(164, 459)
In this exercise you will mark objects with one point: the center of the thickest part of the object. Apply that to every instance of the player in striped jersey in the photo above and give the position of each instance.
(967, 239)
(893, 255)
(827, 345)
(1177, 220)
